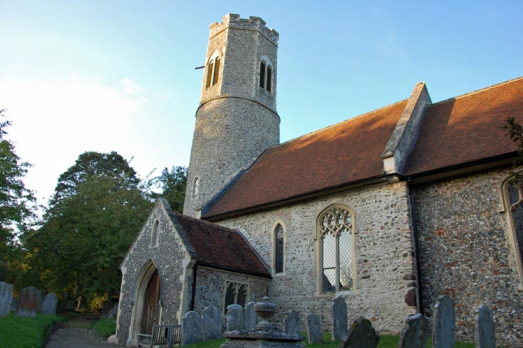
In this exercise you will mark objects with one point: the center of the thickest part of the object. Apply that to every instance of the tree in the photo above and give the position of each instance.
(96, 212)
(173, 184)
(515, 133)
(17, 203)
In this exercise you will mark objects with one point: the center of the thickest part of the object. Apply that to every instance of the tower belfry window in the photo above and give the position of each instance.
(265, 75)
(213, 71)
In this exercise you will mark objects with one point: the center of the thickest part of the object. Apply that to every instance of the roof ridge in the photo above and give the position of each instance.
(337, 124)
(205, 222)
(481, 90)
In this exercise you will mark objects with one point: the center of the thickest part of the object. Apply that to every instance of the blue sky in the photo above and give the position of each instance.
(102, 75)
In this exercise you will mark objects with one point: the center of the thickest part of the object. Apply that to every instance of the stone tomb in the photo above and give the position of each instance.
(444, 323)
(28, 302)
(416, 334)
(264, 333)
(314, 328)
(6, 297)
(49, 304)
(485, 334)
(361, 335)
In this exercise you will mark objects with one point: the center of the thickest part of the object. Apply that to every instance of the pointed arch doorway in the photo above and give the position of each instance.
(147, 302)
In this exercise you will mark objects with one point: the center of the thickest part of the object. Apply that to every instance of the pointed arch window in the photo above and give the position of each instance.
(213, 70)
(266, 75)
(335, 235)
(196, 187)
(278, 249)
(236, 293)
(513, 195)
(155, 234)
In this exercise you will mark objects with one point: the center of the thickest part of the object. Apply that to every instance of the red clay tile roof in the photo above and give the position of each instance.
(346, 152)
(466, 128)
(221, 246)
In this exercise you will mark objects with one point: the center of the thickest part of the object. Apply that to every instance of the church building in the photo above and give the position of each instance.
(390, 209)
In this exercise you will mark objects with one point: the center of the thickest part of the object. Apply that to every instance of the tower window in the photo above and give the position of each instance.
(279, 249)
(265, 74)
(213, 70)
(155, 235)
(335, 240)
(196, 187)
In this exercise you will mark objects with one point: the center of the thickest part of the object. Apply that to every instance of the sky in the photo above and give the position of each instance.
(117, 75)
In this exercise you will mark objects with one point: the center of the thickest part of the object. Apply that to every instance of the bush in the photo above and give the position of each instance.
(105, 327)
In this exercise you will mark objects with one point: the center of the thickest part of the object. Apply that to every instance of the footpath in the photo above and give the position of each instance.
(77, 332)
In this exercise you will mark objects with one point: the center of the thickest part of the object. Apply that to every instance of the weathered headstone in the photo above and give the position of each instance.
(361, 335)
(314, 328)
(339, 318)
(292, 323)
(212, 324)
(106, 308)
(249, 316)
(28, 302)
(14, 304)
(416, 334)
(485, 333)
(49, 304)
(444, 323)
(114, 311)
(235, 320)
(191, 328)
(6, 297)
(40, 302)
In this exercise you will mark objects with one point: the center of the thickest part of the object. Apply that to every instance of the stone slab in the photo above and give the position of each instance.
(361, 335)
(292, 322)
(235, 319)
(191, 328)
(6, 298)
(416, 332)
(49, 304)
(444, 323)
(212, 324)
(314, 328)
(485, 335)
(339, 318)
(249, 316)
(28, 302)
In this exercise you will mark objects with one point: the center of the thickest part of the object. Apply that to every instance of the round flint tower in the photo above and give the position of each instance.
(237, 119)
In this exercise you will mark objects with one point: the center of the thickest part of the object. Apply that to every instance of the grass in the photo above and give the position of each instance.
(105, 327)
(25, 332)
(386, 341)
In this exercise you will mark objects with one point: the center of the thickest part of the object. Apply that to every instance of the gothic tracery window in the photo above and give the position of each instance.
(514, 195)
(279, 249)
(213, 70)
(336, 238)
(236, 293)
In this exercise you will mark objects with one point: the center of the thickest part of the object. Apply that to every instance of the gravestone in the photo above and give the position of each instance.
(339, 318)
(114, 311)
(292, 323)
(212, 324)
(485, 334)
(444, 323)
(235, 320)
(249, 316)
(40, 302)
(49, 304)
(416, 334)
(191, 328)
(28, 302)
(361, 335)
(6, 298)
(314, 328)
(14, 304)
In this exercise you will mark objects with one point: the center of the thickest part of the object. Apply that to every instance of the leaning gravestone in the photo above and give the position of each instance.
(339, 318)
(292, 323)
(49, 305)
(416, 334)
(191, 328)
(444, 324)
(28, 302)
(6, 298)
(361, 335)
(235, 320)
(212, 324)
(314, 328)
(249, 316)
(485, 334)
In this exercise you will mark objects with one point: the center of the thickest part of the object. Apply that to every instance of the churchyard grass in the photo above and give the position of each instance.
(105, 327)
(21, 332)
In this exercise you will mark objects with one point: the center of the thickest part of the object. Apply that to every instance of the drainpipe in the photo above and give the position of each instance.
(416, 244)
(194, 286)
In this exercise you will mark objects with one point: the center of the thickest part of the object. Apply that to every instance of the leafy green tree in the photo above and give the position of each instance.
(173, 184)
(17, 203)
(98, 208)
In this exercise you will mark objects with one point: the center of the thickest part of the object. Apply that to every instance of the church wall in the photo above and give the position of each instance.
(170, 259)
(383, 246)
(465, 253)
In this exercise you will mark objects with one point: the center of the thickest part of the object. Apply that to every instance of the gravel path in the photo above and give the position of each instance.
(67, 337)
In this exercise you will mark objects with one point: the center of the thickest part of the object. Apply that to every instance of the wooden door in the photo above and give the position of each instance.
(151, 312)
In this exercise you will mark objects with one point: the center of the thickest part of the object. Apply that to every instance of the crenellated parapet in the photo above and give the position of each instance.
(253, 23)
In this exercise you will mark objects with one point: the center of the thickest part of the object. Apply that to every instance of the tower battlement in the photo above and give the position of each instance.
(232, 20)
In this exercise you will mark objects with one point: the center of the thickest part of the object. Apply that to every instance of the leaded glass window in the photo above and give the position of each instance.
(335, 231)
(278, 249)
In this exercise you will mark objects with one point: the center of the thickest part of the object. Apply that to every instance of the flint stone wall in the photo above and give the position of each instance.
(169, 257)
(465, 253)
(385, 264)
